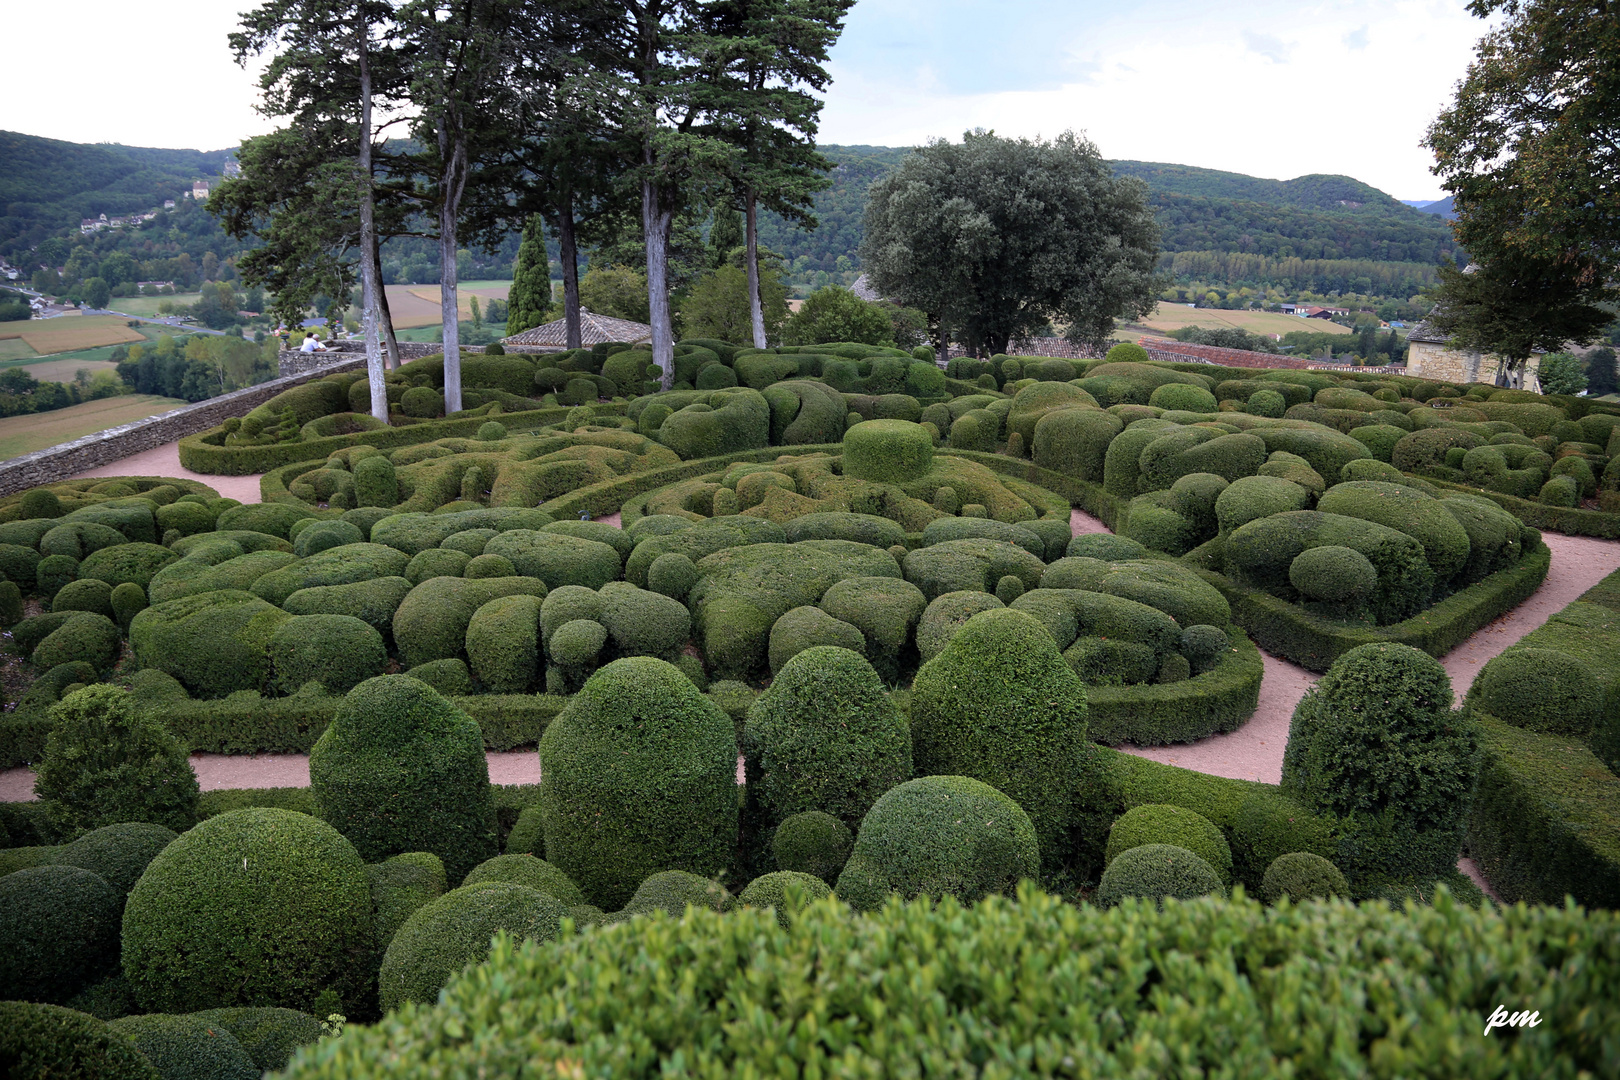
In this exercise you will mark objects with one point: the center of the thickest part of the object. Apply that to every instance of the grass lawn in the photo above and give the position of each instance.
(147, 306)
(25, 434)
(62, 368)
(15, 349)
(70, 332)
(1168, 317)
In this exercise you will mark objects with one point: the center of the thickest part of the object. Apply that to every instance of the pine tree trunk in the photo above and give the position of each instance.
(390, 343)
(655, 225)
(452, 183)
(369, 283)
(568, 252)
(756, 310)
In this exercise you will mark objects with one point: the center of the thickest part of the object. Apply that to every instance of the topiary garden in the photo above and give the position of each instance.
(841, 642)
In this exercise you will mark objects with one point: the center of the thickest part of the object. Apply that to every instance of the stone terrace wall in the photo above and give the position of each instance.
(105, 447)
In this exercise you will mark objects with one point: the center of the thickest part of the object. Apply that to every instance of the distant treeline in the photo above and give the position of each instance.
(21, 393)
(197, 367)
(1294, 274)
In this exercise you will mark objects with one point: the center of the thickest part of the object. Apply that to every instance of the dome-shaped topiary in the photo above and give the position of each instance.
(1181, 397)
(785, 891)
(1333, 574)
(670, 891)
(1000, 704)
(1377, 744)
(268, 1035)
(107, 761)
(526, 869)
(1540, 690)
(118, 854)
(1155, 871)
(672, 574)
(638, 774)
(824, 736)
(422, 402)
(812, 842)
(252, 907)
(938, 836)
(337, 651)
(1105, 546)
(58, 931)
(1301, 875)
(444, 936)
(887, 451)
(402, 769)
(320, 535)
(1204, 647)
(1266, 403)
(807, 627)
(63, 1044)
(188, 1047)
(946, 615)
(1158, 824)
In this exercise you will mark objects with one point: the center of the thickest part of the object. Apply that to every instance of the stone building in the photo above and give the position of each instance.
(1431, 357)
(593, 330)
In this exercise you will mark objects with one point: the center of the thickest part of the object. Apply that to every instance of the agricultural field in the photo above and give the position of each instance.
(25, 434)
(15, 349)
(61, 368)
(1168, 317)
(71, 332)
(416, 306)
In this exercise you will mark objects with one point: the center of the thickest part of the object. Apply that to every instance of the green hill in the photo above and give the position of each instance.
(47, 186)
(1336, 224)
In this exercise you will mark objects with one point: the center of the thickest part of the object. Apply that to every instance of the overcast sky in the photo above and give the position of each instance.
(1266, 88)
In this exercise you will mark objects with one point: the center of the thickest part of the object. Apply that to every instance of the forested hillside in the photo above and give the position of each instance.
(1327, 233)
(47, 186)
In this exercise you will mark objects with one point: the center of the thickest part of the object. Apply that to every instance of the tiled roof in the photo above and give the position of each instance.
(593, 330)
(863, 289)
(1425, 331)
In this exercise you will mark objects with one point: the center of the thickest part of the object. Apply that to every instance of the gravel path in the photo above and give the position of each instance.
(165, 461)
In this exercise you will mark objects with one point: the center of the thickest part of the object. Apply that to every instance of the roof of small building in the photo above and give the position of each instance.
(863, 289)
(593, 330)
(1426, 331)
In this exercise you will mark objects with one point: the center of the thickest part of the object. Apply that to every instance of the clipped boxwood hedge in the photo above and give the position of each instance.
(1115, 989)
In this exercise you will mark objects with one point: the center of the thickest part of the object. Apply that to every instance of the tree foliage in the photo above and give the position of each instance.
(993, 238)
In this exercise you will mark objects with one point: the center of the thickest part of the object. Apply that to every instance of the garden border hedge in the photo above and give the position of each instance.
(1289, 631)
(1157, 714)
(201, 455)
(1569, 520)
(1545, 821)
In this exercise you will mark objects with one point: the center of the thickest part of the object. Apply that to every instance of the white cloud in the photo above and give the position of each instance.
(1356, 39)
(1176, 83)
(1267, 46)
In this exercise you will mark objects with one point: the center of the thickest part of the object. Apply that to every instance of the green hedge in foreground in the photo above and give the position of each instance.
(1033, 988)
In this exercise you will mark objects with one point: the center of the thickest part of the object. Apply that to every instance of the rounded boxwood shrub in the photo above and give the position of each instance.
(321, 535)
(785, 891)
(1541, 690)
(638, 728)
(38, 1041)
(87, 638)
(187, 1047)
(128, 600)
(670, 891)
(806, 627)
(1104, 546)
(400, 885)
(431, 622)
(970, 565)
(90, 594)
(1407, 510)
(824, 736)
(108, 761)
(426, 403)
(118, 854)
(1301, 875)
(50, 575)
(1155, 871)
(215, 643)
(883, 609)
(1333, 574)
(503, 643)
(445, 935)
(887, 451)
(1561, 491)
(337, 651)
(436, 562)
(1001, 705)
(1074, 441)
(1377, 744)
(127, 562)
(200, 931)
(1266, 403)
(373, 602)
(523, 868)
(59, 930)
(1156, 824)
(268, 1035)
(558, 559)
(401, 769)
(489, 566)
(946, 615)
(939, 836)
(1204, 647)
(812, 842)
(672, 574)
(1184, 398)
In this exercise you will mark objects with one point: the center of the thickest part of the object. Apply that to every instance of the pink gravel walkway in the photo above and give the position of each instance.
(165, 461)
